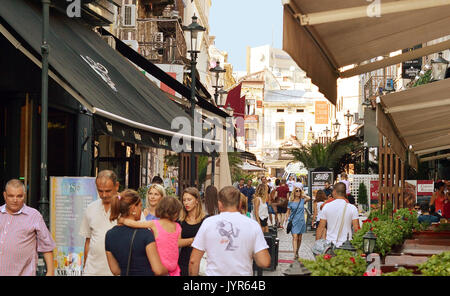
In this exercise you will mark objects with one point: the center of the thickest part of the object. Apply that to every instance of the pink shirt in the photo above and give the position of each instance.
(22, 236)
(167, 245)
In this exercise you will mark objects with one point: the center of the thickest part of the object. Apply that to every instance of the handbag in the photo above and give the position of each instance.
(322, 246)
(289, 225)
(129, 255)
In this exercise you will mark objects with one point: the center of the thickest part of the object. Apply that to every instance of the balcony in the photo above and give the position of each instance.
(161, 40)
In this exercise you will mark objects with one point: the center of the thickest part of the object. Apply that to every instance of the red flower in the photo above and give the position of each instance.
(363, 255)
(375, 219)
(406, 219)
(353, 260)
(327, 257)
(395, 211)
(368, 221)
(365, 274)
(371, 228)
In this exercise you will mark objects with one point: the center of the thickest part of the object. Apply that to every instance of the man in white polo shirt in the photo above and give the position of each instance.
(231, 241)
(96, 223)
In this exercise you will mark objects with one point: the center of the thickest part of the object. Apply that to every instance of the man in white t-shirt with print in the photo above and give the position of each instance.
(331, 217)
(231, 241)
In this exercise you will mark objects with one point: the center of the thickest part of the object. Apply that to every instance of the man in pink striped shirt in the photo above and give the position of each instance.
(23, 234)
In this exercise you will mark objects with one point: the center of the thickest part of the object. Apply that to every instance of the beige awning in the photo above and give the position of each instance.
(334, 38)
(420, 117)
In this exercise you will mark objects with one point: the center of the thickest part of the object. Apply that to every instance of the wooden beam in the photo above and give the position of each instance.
(402, 172)
(385, 126)
(435, 157)
(407, 56)
(431, 150)
(364, 11)
(397, 177)
(380, 169)
(418, 106)
(385, 179)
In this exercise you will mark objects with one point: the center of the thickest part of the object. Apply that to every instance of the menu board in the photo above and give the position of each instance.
(69, 198)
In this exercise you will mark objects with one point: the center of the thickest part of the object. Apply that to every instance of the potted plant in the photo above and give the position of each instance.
(362, 196)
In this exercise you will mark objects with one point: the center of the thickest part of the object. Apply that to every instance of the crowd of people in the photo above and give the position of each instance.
(219, 232)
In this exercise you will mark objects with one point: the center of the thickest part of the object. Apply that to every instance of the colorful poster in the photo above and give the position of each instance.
(410, 193)
(321, 112)
(69, 198)
(374, 191)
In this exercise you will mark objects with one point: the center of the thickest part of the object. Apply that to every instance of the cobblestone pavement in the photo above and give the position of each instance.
(286, 253)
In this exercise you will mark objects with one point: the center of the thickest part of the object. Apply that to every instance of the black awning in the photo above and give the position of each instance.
(159, 74)
(97, 75)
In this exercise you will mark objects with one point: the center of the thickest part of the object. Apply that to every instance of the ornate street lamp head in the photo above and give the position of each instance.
(369, 240)
(439, 67)
(194, 28)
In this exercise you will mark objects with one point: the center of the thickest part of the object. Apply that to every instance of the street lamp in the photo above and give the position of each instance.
(439, 67)
(217, 70)
(221, 93)
(326, 133)
(297, 269)
(347, 245)
(349, 116)
(194, 28)
(337, 127)
(369, 241)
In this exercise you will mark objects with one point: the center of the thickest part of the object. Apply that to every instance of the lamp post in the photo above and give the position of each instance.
(326, 133)
(337, 127)
(438, 68)
(347, 245)
(194, 28)
(217, 70)
(348, 116)
(369, 241)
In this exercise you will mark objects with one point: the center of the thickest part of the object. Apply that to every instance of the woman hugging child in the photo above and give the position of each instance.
(166, 231)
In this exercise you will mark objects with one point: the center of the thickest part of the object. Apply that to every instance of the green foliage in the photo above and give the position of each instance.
(390, 231)
(236, 172)
(400, 272)
(362, 194)
(319, 155)
(424, 79)
(437, 265)
(171, 160)
(345, 263)
(202, 168)
(143, 194)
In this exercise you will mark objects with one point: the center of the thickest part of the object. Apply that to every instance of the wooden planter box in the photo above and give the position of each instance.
(430, 234)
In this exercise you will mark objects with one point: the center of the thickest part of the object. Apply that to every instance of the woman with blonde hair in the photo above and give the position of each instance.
(154, 194)
(296, 214)
(260, 209)
(191, 218)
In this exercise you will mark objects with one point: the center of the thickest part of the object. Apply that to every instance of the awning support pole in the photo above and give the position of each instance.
(43, 201)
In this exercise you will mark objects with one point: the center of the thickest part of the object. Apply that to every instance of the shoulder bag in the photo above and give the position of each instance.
(289, 225)
(131, 248)
(322, 246)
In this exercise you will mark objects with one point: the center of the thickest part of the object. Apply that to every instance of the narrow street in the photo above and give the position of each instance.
(285, 253)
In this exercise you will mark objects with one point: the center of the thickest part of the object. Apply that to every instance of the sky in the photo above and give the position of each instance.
(241, 23)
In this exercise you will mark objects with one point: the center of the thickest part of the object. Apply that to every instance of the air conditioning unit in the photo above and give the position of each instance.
(129, 15)
(110, 40)
(132, 43)
(159, 37)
